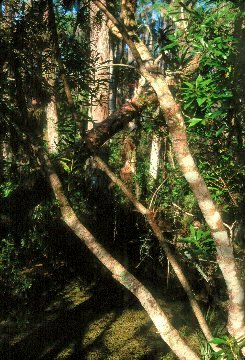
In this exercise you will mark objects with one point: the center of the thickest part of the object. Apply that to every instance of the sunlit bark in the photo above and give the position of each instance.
(168, 333)
(51, 135)
(100, 55)
(159, 235)
(155, 155)
(173, 115)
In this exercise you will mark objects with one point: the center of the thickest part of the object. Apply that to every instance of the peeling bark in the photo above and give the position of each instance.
(114, 123)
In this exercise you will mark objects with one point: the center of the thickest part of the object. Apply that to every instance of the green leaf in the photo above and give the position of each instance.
(206, 82)
(193, 231)
(217, 341)
(65, 167)
(200, 101)
(188, 104)
(170, 46)
(195, 121)
(199, 234)
(199, 80)
(190, 85)
(219, 132)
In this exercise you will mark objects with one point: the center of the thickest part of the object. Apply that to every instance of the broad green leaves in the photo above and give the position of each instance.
(200, 241)
(230, 348)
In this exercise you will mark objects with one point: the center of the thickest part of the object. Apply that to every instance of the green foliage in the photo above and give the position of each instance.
(200, 241)
(231, 349)
(12, 277)
(207, 97)
(7, 188)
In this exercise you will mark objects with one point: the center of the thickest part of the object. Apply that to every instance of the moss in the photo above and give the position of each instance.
(86, 323)
(125, 328)
(96, 329)
(65, 354)
(132, 349)
(95, 355)
(75, 294)
(131, 335)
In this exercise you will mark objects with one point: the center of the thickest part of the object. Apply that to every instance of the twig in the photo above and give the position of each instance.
(155, 193)
(185, 212)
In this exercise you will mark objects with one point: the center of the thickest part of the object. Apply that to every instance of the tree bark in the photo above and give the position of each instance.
(174, 118)
(155, 155)
(100, 55)
(170, 256)
(51, 136)
(167, 332)
(57, 54)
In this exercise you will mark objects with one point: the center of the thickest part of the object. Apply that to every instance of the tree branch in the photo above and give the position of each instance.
(168, 333)
(169, 254)
(177, 128)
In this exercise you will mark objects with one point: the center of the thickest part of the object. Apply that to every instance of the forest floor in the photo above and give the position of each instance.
(98, 321)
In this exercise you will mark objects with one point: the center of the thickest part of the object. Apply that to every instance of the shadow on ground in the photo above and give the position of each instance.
(82, 324)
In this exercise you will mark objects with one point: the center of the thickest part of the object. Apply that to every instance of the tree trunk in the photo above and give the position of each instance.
(100, 55)
(155, 153)
(51, 135)
(225, 256)
(170, 256)
(168, 333)
(174, 118)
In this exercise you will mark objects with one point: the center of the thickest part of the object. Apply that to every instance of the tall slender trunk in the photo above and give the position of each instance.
(52, 136)
(174, 118)
(168, 333)
(100, 55)
(155, 155)
(170, 256)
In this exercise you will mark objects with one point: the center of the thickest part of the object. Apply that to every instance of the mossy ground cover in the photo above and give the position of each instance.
(90, 322)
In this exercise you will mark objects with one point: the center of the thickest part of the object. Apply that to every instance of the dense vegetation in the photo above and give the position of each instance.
(145, 209)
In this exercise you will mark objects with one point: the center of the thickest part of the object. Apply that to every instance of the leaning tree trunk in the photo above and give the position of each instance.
(94, 138)
(163, 243)
(225, 256)
(168, 333)
(174, 118)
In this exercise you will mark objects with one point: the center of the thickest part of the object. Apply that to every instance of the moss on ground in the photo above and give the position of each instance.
(81, 322)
